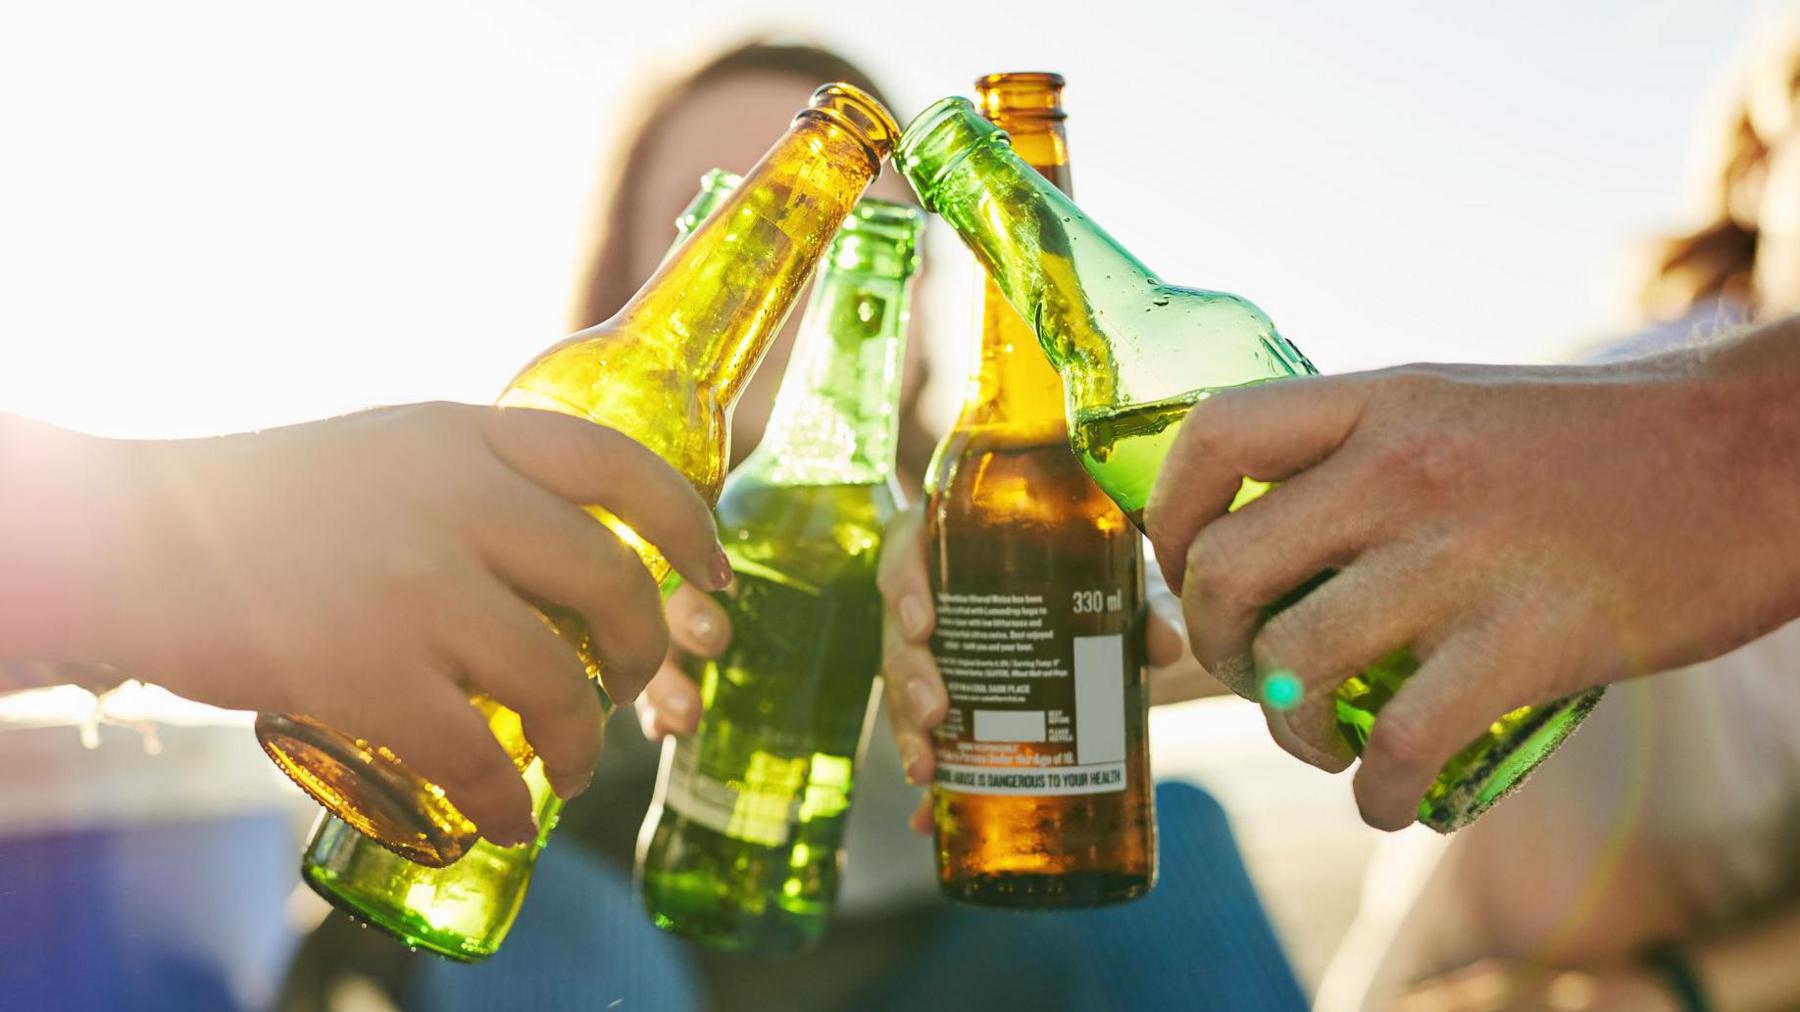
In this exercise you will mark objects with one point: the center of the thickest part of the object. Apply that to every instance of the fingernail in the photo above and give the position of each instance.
(703, 627)
(721, 568)
(911, 754)
(923, 700)
(912, 616)
(579, 783)
(676, 709)
(1302, 749)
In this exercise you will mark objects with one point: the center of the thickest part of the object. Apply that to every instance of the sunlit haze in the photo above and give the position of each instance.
(222, 215)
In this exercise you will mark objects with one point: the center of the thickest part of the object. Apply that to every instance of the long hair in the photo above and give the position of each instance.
(1716, 260)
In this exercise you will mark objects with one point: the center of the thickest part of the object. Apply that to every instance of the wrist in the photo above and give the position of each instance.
(64, 512)
(1742, 402)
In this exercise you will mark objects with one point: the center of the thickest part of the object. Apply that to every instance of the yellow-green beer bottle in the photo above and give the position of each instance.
(465, 909)
(1135, 353)
(664, 370)
(744, 844)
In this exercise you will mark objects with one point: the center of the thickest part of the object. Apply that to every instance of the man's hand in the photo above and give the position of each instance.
(368, 571)
(916, 700)
(1527, 532)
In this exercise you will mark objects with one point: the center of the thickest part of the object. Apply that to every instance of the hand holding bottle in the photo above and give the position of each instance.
(1528, 532)
(698, 627)
(916, 699)
(360, 569)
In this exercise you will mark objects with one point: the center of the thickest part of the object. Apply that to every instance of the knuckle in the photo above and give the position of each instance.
(900, 667)
(1400, 740)
(412, 568)
(896, 574)
(1426, 462)
(1214, 577)
(1281, 644)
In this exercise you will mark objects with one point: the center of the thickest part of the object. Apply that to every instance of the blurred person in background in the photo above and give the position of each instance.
(892, 933)
(722, 113)
(1654, 862)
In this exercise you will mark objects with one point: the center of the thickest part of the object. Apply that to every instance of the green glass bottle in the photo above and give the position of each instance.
(743, 847)
(1135, 353)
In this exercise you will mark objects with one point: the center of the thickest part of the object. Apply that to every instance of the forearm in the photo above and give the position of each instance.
(62, 505)
(1752, 393)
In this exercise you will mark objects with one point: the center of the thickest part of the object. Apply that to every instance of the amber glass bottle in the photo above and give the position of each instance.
(1043, 795)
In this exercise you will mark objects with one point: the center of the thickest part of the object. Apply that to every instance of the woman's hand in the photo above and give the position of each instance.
(698, 627)
(368, 571)
(916, 699)
(1527, 532)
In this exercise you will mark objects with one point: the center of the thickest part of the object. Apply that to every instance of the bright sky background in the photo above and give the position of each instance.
(218, 214)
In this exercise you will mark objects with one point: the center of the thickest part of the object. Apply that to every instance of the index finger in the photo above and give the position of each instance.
(902, 577)
(1267, 432)
(592, 465)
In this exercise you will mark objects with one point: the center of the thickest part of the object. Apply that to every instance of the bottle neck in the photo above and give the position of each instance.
(714, 307)
(1014, 385)
(1062, 273)
(836, 420)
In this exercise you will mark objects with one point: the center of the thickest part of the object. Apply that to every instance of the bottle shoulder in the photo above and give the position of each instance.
(1037, 488)
(753, 509)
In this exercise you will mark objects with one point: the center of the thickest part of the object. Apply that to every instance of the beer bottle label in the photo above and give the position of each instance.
(761, 806)
(1037, 681)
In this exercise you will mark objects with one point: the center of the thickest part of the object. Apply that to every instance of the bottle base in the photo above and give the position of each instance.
(369, 788)
(698, 913)
(1501, 769)
(1067, 891)
(411, 930)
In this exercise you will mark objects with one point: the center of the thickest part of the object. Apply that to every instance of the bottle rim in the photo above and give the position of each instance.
(859, 113)
(948, 129)
(1020, 94)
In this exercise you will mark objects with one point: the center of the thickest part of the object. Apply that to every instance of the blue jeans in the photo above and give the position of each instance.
(1200, 940)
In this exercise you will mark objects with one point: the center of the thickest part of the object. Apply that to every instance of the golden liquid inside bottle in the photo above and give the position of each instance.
(1039, 584)
(1024, 520)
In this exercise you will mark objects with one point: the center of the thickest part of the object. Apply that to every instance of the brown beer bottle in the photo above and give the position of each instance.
(1043, 794)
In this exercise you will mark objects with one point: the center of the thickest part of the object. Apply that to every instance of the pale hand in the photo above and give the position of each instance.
(1527, 532)
(368, 571)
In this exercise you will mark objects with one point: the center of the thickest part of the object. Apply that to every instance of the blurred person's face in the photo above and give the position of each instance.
(727, 125)
(1778, 230)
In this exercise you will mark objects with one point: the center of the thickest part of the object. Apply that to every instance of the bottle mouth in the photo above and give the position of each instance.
(858, 112)
(937, 141)
(1011, 94)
